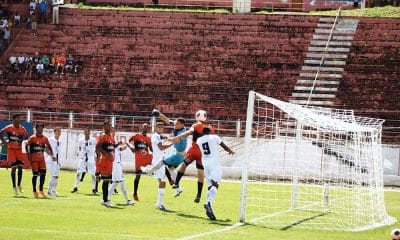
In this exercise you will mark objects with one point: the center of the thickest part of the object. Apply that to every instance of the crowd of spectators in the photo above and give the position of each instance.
(38, 13)
(37, 66)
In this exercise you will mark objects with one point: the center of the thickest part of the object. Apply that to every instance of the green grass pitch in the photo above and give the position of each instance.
(80, 215)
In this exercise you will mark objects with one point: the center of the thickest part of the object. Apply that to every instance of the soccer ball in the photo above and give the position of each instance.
(395, 234)
(201, 116)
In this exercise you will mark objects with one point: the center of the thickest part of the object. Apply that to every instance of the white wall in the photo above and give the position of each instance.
(231, 164)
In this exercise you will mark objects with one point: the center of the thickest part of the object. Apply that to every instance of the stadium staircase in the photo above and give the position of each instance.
(324, 65)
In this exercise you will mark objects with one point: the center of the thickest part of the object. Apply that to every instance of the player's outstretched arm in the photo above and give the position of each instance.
(180, 136)
(157, 113)
(226, 148)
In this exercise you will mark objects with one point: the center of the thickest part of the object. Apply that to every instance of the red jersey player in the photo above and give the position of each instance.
(36, 146)
(140, 144)
(106, 147)
(15, 134)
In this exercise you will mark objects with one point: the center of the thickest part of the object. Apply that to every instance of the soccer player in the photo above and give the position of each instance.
(38, 144)
(141, 147)
(176, 158)
(208, 145)
(158, 155)
(53, 161)
(193, 154)
(87, 151)
(118, 175)
(15, 134)
(106, 147)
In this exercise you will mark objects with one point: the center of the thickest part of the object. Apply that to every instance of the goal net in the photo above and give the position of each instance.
(311, 167)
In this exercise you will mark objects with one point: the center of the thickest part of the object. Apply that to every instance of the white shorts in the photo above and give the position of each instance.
(117, 173)
(86, 165)
(160, 173)
(53, 167)
(213, 173)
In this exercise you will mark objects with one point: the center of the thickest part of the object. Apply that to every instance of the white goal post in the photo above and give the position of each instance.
(311, 167)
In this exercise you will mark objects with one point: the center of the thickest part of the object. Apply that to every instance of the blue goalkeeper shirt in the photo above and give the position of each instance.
(181, 145)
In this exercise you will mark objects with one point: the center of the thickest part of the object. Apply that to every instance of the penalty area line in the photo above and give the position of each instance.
(212, 232)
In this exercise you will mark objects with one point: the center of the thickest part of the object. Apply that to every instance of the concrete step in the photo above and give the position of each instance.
(327, 19)
(318, 82)
(336, 31)
(317, 62)
(321, 75)
(326, 56)
(340, 38)
(314, 95)
(331, 69)
(313, 103)
(319, 89)
(331, 43)
(329, 49)
(325, 25)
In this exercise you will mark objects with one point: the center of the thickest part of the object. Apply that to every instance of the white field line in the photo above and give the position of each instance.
(113, 235)
(211, 232)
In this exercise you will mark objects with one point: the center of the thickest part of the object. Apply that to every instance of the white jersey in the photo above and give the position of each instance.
(56, 146)
(158, 154)
(117, 174)
(208, 145)
(87, 149)
(54, 165)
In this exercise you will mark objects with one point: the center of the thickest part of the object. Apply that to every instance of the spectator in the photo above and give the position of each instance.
(40, 68)
(28, 67)
(3, 23)
(60, 64)
(29, 22)
(17, 18)
(78, 66)
(36, 58)
(21, 64)
(53, 62)
(46, 63)
(13, 64)
(34, 24)
(70, 64)
(43, 6)
(6, 36)
(32, 6)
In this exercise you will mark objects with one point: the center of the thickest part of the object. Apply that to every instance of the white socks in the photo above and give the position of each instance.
(211, 194)
(111, 190)
(124, 192)
(93, 182)
(77, 179)
(114, 185)
(53, 184)
(161, 193)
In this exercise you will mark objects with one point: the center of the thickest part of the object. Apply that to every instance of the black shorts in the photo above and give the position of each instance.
(17, 163)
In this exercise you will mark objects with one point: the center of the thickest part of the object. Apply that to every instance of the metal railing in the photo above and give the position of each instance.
(121, 123)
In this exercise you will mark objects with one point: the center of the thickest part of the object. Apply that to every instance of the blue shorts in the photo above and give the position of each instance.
(174, 160)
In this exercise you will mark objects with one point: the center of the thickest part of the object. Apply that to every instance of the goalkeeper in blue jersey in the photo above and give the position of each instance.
(175, 159)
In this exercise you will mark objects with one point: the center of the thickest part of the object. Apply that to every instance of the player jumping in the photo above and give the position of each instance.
(193, 153)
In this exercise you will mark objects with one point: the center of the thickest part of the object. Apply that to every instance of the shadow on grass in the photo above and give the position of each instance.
(302, 221)
(220, 222)
(284, 228)
(21, 197)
